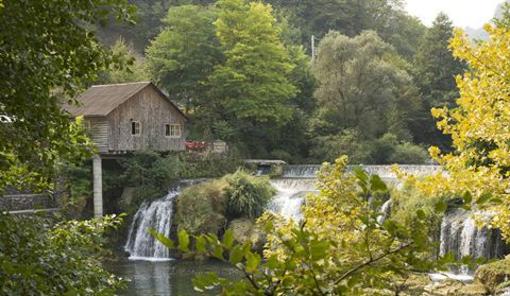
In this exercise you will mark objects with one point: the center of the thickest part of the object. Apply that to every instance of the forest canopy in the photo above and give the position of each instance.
(376, 74)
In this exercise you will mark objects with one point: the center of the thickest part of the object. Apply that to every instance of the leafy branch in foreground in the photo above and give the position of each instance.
(38, 258)
(339, 248)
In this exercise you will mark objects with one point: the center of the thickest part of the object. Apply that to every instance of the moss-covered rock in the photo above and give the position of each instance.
(495, 276)
(200, 208)
(455, 288)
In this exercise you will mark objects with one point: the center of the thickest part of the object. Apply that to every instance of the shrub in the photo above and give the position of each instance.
(382, 149)
(201, 208)
(247, 196)
(207, 207)
(38, 259)
(408, 198)
(348, 142)
(408, 153)
(209, 165)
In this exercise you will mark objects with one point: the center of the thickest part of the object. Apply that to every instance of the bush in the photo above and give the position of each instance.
(408, 153)
(201, 208)
(384, 150)
(209, 206)
(348, 142)
(77, 184)
(38, 259)
(208, 166)
(247, 196)
(410, 198)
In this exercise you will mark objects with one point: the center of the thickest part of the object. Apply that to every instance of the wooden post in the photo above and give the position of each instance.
(98, 186)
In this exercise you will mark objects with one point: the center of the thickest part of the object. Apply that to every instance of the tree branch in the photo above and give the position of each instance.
(369, 262)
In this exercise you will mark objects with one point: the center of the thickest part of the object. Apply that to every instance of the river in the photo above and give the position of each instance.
(164, 278)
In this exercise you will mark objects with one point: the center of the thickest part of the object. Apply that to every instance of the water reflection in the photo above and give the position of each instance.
(164, 278)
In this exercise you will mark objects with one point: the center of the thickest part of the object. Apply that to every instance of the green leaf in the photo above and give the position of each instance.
(200, 244)
(252, 262)
(377, 184)
(236, 255)
(360, 174)
(161, 238)
(484, 198)
(318, 249)
(205, 281)
(441, 206)
(183, 240)
(421, 214)
(467, 197)
(218, 251)
(228, 239)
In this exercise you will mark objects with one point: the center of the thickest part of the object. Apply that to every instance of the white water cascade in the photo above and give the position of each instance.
(296, 182)
(461, 236)
(157, 215)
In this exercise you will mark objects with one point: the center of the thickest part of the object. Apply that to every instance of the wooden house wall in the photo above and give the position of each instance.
(153, 112)
(98, 129)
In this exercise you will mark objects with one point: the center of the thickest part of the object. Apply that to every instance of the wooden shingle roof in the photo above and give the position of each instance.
(100, 100)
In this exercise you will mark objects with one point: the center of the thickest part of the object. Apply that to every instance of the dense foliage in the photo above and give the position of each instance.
(37, 258)
(47, 54)
(130, 69)
(184, 54)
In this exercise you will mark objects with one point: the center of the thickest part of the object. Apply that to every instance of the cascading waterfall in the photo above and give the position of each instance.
(296, 182)
(461, 236)
(385, 211)
(157, 215)
(290, 196)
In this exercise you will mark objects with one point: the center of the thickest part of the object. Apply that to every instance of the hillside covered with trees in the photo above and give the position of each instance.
(244, 73)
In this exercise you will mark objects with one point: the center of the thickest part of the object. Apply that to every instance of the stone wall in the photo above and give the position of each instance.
(19, 202)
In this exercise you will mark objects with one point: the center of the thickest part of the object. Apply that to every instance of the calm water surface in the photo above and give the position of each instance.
(164, 278)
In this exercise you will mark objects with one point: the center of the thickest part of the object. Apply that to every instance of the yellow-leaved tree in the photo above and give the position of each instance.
(478, 170)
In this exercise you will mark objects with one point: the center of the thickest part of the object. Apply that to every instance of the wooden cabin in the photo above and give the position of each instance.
(128, 117)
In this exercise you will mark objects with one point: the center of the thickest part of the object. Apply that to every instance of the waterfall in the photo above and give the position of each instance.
(297, 180)
(292, 188)
(385, 211)
(461, 236)
(157, 215)
(301, 171)
(290, 196)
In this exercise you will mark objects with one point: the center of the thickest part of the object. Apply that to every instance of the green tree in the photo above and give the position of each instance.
(148, 22)
(47, 53)
(436, 67)
(351, 17)
(435, 72)
(184, 54)
(362, 85)
(130, 69)
(252, 87)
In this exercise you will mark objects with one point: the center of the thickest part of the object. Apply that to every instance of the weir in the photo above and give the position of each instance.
(459, 234)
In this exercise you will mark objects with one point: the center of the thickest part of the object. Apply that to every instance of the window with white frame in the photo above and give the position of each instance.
(173, 130)
(136, 128)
